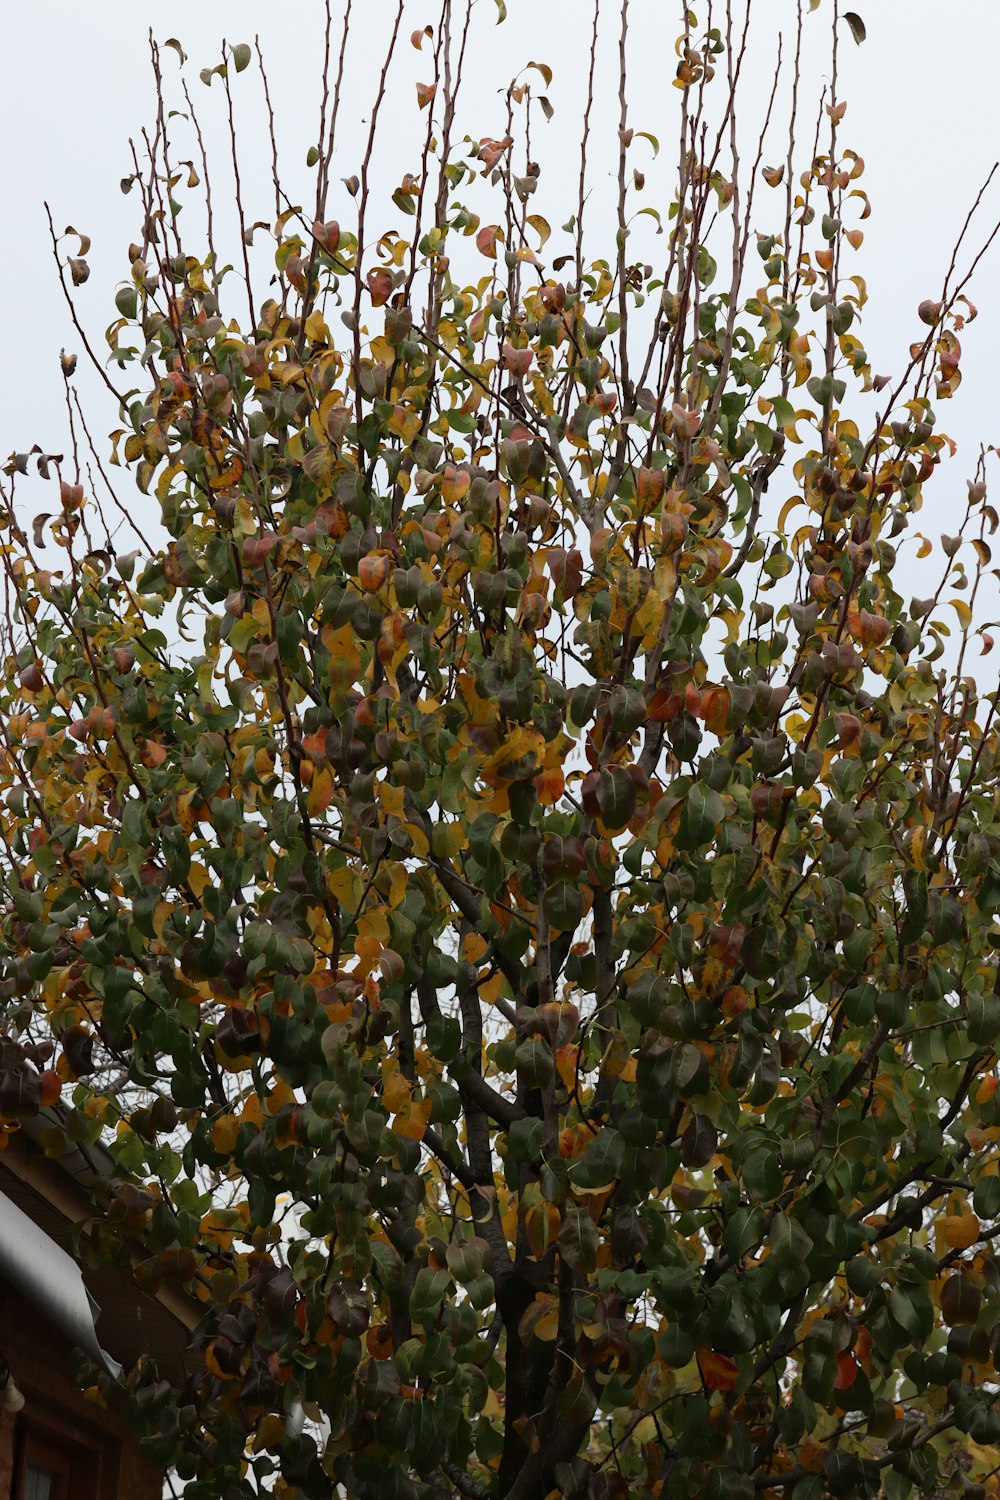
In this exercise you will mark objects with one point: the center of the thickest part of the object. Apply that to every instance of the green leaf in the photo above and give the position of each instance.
(744, 1232)
(986, 1197)
(601, 1163)
(688, 1070)
(525, 1139)
(563, 906)
(126, 301)
(241, 56)
(261, 1199)
(905, 1314)
(703, 812)
(790, 1243)
(578, 1240)
(466, 1258)
(762, 1173)
(699, 1142)
(444, 1037)
(819, 1371)
(428, 1294)
(616, 798)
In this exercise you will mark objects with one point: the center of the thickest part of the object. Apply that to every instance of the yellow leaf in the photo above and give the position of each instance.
(917, 847)
(391, 798)
(342, 885)
(957, 1231)
(804, 535)
(166, 480)
(787, 509)
(421, 846)
(224, 1133)
(374, 924)
(491, 989)
(217, 1227)
(278, 1096)
(516, 760)
(316, 329)
(540, 226)
(345, 659)
(474, 945)
(540, 1319)
(395, 1088)
(732, 619)
(665, 579)
(404, 423)
(252, 1114)
(397, 885)
(455, 485)
(367, 951)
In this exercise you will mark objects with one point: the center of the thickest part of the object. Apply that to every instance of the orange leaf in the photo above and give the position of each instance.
(413, 1124)
(718, 1372)
(320, 792)
(378, 1342)
(649, 486)
(550, 785)
(486, 240)
(665, 704)
(866, 628)
(715, 709)
(373, 570)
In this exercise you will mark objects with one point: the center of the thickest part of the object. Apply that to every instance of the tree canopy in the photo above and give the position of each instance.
(509, 876)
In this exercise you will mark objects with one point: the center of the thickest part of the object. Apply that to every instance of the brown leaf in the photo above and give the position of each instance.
(857, 26)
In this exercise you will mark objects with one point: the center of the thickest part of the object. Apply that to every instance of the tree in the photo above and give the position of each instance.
(521, 914)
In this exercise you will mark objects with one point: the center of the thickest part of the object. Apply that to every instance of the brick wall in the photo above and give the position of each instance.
(42, 1364)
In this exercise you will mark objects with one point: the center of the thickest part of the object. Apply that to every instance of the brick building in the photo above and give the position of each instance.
(58, 1445)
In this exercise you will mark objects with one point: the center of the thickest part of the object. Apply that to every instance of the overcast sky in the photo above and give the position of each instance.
(922, 109)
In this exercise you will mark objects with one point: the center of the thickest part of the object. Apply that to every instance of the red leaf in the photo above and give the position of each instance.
(380, 287)
(518, 361)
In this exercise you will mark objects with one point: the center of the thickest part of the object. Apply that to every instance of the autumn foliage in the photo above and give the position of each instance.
(509, 876)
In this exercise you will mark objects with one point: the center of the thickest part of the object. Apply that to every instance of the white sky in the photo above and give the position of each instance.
(922, 109)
